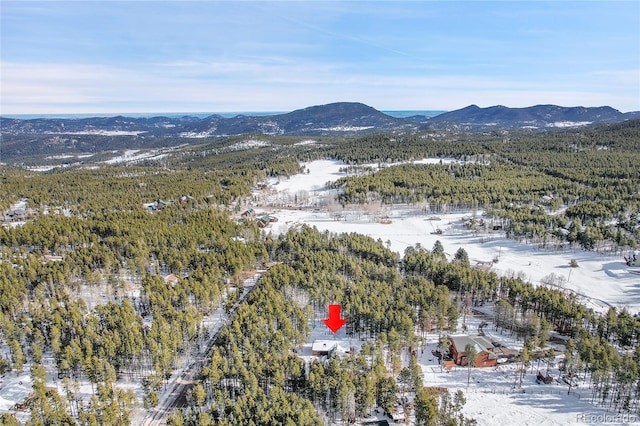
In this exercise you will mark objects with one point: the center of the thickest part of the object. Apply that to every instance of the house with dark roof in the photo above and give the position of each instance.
(484, 349)
(248, 213)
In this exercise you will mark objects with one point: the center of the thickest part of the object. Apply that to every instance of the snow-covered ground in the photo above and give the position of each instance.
(134, 156)
(129, 156)
(14, 388)
(19, 205)
(104, 132)
(248, 144)
(569, 123)
(492, 398)
(601, 281)
(494, 395)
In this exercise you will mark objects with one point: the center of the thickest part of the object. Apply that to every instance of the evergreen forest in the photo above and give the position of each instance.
(84, 295)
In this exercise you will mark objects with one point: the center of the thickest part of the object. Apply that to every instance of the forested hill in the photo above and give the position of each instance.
(336, 119)
(342, 118)
(87, 253)
(535, 117)
(35, 139)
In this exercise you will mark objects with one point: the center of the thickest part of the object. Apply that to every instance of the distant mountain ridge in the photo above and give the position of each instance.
(332, 119)
(335, 119)
(538, 116)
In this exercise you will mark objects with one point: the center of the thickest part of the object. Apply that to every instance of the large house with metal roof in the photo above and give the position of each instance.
(484, 349)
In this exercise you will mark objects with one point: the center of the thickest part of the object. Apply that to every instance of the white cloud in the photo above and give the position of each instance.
(619, 78)
(280, 84)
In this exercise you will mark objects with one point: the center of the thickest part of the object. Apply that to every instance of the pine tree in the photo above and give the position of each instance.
(462, 257)
(438, 249)
(426, 408)
(471, 354)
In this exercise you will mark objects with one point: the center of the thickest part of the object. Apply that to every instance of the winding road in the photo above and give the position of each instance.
(174, 395)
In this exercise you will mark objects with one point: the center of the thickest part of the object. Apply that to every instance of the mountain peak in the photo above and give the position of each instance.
(344, 107)
(333, 119)
(538, 116)
(338, 117)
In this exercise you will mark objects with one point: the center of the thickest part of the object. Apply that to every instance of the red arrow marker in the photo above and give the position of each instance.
(334, 322)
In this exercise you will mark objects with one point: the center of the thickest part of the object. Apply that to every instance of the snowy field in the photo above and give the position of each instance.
(129, 156)
(492, 398)
(134, 156)
(494, 395)
(601, 281)
(103, 132)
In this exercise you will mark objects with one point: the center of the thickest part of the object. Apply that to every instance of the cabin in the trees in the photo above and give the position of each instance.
(250, 213)
(323, 348)
(484, 348)
(171, 279)
(265, 220)
(157, 206)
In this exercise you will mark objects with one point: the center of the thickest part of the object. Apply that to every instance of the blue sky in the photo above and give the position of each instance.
(169, 56)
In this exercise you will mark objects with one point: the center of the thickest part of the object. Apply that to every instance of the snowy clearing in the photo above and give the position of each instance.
(104, 132)
(494, 395)
(601, 281)
(133, 156)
